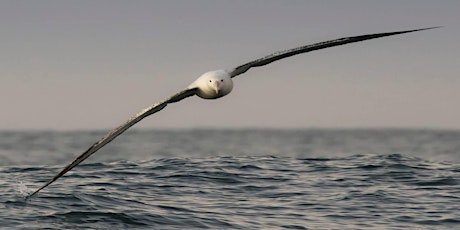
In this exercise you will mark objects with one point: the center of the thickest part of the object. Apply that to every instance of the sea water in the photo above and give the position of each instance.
(233, 179)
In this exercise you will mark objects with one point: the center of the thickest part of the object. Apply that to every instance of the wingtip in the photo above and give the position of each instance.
(26, 198)
(30, 195)
(429, 28)
(416, 30)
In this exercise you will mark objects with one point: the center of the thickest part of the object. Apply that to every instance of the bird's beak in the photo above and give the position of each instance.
(217, 86)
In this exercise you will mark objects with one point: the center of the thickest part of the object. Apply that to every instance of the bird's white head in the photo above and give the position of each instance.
(213, 84)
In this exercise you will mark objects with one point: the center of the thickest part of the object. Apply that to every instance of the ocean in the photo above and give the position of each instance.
(233, 179)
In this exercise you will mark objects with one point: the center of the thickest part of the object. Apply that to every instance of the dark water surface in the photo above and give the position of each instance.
(234, 179)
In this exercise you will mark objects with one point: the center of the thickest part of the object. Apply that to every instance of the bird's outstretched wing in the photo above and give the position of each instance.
(117, 131)
(317, 46)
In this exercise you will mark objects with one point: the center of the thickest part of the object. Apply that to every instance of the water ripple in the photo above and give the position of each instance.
(277, 191)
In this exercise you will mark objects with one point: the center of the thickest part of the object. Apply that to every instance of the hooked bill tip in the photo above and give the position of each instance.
(217, 87)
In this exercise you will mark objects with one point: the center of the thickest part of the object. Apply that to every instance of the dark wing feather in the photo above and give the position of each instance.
(317, 46)
(117, 131)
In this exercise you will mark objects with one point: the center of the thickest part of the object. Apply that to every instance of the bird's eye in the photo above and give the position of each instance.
(210, 80)
(222, 80)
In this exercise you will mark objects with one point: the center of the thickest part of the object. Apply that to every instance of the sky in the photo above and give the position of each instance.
(90, 65)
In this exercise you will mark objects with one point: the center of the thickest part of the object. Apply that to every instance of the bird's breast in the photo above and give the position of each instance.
(211, 94)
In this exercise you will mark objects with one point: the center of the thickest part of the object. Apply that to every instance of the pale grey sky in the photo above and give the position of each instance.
(68, 65)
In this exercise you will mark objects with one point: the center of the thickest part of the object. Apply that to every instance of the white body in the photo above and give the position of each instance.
(213, 84)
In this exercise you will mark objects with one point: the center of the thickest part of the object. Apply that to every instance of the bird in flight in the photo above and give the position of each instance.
(212, 85)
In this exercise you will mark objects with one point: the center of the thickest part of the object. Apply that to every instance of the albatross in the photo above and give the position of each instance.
(212, 85)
